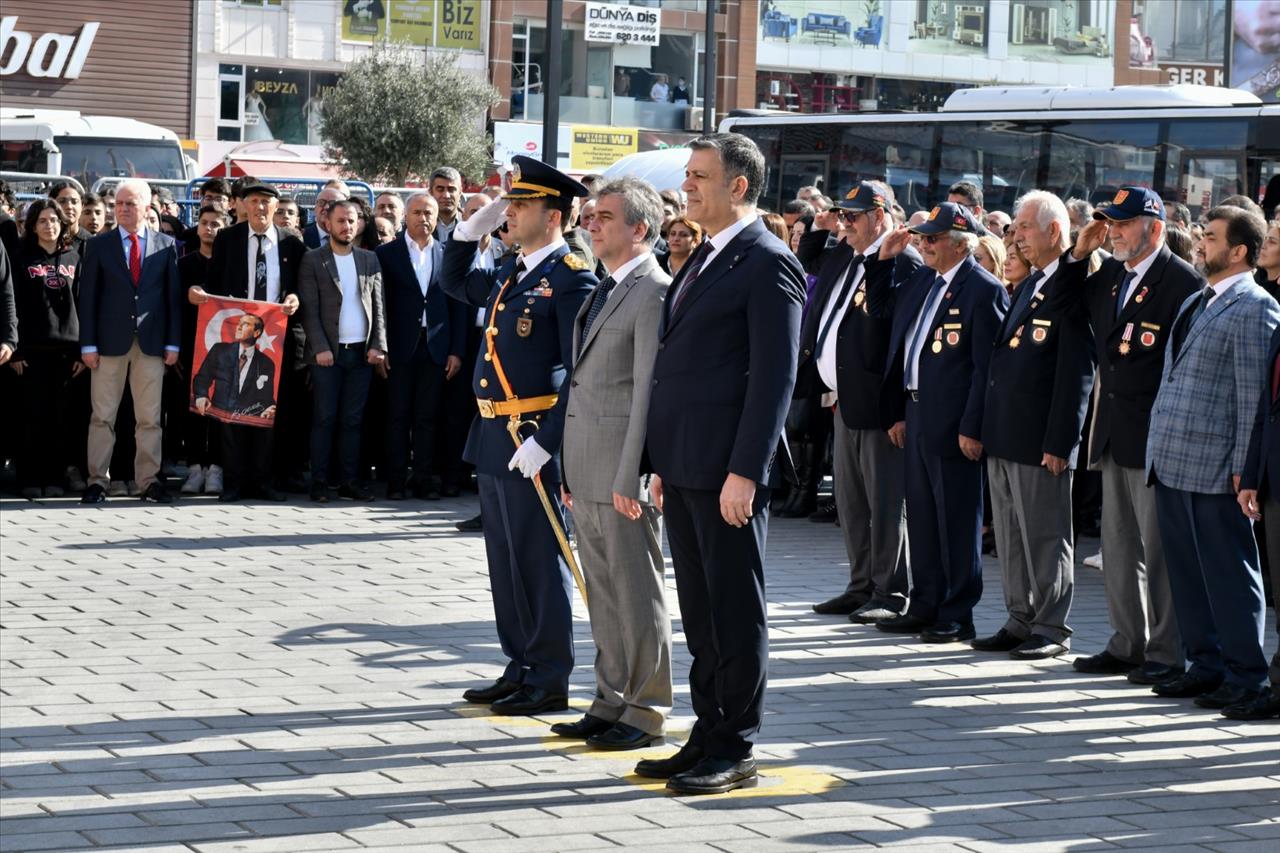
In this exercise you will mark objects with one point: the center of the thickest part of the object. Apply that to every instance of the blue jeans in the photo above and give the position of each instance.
(340, 395)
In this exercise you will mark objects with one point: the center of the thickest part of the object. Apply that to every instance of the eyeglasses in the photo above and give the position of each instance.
(851, 216)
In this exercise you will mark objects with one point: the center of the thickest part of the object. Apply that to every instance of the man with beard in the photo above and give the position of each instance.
(1214, 371)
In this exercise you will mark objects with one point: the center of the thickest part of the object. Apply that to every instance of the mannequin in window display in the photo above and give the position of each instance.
(255, 119)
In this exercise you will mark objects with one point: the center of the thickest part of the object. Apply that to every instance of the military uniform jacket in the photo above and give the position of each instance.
(953, 361)
(1041, 373)
(1131, 350)
(534, 342)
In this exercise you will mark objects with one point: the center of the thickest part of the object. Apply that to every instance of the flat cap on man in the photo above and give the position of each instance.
(949, 216)
(254, 186)
(1130, 203)
(532, 178)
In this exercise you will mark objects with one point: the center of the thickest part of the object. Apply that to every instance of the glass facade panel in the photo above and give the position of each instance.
(1091, 159)
(998, 156)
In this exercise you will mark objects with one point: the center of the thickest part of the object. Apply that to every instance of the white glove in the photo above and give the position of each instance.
(529, 458)
(482, 222)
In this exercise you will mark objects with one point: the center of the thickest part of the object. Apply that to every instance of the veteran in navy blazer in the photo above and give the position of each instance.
(530, 305)
(426, 338)
(945, 317)
(130, 328)
(722, 383)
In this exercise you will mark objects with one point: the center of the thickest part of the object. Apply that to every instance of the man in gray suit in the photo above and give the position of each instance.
(1214, 371)
(341, 293)
(615, 342)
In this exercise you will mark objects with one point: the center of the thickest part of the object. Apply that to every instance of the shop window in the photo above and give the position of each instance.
(1191, 31)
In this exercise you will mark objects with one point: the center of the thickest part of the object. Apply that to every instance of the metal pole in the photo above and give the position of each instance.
(709, 70)
(551, 83)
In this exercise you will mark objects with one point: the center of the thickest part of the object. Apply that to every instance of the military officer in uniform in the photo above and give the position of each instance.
(530, 304)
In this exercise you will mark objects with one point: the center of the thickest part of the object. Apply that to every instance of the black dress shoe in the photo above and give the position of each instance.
(1103, 663)
(95, 494)
(530, 700)
(842, 605)
(904, 624)
(395, 493)
(1152, 673)
(271, 493)
(1038, 647)
(319, 494)
(1227, 695)
(450, 490)
(426, 491)
(1265, 707)
(582, 729)
(228, 496)
(355, 492)
(989, 543)
(664, 768)
(621, 736)
(294, 485)
(947, 632)
(471, 525)
(1000, 641)
(1187, 686)
(715, 776)
(500, 689)
(156, 493)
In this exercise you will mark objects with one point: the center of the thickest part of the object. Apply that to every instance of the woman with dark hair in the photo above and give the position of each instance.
(366, 228)
(46, 287)
(683, 236)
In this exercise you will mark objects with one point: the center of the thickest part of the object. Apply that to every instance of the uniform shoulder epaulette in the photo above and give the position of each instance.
(574, 262)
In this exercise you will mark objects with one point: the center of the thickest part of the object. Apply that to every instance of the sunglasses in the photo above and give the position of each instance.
(931, 238)
(851, 216)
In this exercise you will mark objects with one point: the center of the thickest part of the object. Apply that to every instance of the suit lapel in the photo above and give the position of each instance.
(538, 274)
(1199, 324)
(950, 293)
(331, 266)
(1026, 307)
(714, 272)
(1149, 281)
(620, 291)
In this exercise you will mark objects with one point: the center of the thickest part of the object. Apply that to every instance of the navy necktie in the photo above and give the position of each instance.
(1189, 319)
(598, 300)
(1124, 290)
(922, 330)
(695, 262)
(835, 308)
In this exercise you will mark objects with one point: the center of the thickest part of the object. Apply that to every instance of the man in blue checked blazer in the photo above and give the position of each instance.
(1214, 371)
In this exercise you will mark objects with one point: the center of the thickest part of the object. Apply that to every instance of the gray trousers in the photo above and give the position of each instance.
(626, 601)
(1271, 518)
(1031, 512)
(870, 492)
(1134, 571)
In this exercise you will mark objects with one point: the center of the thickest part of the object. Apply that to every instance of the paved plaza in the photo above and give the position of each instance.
(287, 678)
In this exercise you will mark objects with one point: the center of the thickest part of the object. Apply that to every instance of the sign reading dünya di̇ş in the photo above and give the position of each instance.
(600, 147)
(607, 22)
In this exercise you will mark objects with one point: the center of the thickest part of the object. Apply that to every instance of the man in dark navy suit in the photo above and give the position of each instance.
(237, 377)
(426, 336)
(530, 306)
(842, 354)
(945, 318)
(316, 234)
(722, 383)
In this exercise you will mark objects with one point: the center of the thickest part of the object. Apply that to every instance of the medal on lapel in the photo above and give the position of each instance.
(1016, 340)
(859, 296)
(1125, 346)
(1142, 294)
(937, 342)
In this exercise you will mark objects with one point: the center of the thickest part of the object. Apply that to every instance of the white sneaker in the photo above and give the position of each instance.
(132, 487)
(1094, 562)
(195, 481)
(75, 480)
(117, 489)
(213, 480)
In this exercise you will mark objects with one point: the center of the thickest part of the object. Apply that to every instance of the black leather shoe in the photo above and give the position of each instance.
(228, 496)
(582, 729)
(715, 776)
(319, 494)
(621, 736)
(395, 492)
(95, 494)
(947, 632)
(293, 485)
(1187, 686)
(873, 613)
(1103, 663)
(1265, 707)
(1227, 695)
(842, 605)
(664, 768)
(1152, 673)
(426, 491)
(1038, 647)
(529, 700)
(450, 490)
(355, 492)
(904, 624)
(156, 493)
(271, 493)
(1001, 641)
(471, 525)
(500, 689)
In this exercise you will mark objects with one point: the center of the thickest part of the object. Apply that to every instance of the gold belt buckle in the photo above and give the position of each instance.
(486, 408)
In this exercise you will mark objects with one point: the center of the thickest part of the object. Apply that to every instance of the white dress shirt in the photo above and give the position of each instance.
(1140, 272)
(533, 259)
(625, 270)
(271, 250)
(423, 266)
(718, 242)
(1047, 273)
(353, 326)
(910, 366)
(1226, 284)
(825, 358)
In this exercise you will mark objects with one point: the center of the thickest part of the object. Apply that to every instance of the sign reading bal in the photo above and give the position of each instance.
(616, 24)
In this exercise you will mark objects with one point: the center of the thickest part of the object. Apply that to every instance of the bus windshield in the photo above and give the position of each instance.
(88, 159)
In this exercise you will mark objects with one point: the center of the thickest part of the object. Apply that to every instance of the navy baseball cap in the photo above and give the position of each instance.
(532, 178)
(1130, 203)
(863, 197)
(949, 216)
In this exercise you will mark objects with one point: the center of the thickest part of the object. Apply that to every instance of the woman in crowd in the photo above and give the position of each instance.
(990, 255)
(48, 357)
(366, 228)
(1016, 268)
(775, 223)
(1269, 259)
(683, 236)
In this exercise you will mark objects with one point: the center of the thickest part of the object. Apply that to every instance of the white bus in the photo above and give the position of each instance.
(64, 142)
(1193, 144)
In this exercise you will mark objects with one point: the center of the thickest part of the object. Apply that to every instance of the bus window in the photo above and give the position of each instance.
(89, 159)
(769, 141)
(23, 157)
(881, 151)
(1206, 161)
(800, 172)
(1091, 159)
(1001, 157)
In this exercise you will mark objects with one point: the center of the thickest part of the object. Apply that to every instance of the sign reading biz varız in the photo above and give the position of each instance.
(608, 22)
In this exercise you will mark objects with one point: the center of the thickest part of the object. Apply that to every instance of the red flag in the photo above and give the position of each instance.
(239, 348)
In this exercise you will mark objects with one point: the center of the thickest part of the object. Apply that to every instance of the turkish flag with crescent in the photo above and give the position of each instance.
(239, 347)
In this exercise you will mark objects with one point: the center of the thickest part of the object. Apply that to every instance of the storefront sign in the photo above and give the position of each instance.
(421, 23)
(1196, 75)
(597, 148)
(458, 25)
(50, 55)
(608, 22)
